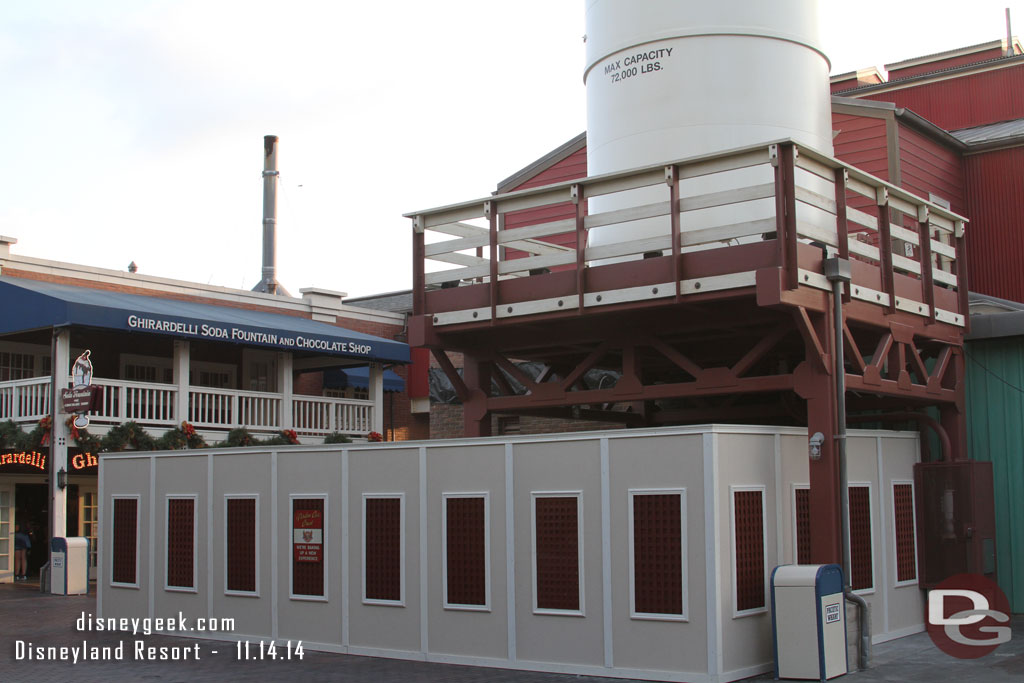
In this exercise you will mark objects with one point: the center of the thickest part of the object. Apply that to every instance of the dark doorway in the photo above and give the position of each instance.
(32, 514)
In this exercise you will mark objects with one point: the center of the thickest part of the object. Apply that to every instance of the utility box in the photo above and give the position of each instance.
(69, 566)
(808, 621)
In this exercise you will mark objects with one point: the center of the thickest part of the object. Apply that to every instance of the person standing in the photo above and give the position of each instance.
(22, 543)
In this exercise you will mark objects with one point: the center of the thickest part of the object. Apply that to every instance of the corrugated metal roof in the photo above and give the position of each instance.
(993, 132)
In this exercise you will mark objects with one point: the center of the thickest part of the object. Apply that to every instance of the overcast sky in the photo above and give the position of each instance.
(133, 129)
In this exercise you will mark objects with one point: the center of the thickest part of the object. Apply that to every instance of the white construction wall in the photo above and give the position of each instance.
(596, 475)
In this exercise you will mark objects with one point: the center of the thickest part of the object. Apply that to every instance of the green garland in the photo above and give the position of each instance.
(131, 436)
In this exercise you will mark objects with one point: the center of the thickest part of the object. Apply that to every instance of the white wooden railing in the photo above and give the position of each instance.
(316, 415)
(823, 200)
(228, 408)
(152, 405)
(142, 402)
(25, 400)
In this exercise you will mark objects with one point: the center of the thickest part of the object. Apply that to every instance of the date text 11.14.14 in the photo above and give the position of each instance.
(261, 649)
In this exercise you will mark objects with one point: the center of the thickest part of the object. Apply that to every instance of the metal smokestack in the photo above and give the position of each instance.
(268, 282)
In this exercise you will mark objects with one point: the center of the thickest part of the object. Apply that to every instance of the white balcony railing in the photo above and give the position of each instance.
(316, 415)
(153, 405)
(25, 400)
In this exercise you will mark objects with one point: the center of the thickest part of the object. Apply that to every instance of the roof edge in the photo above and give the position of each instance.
(564, 151)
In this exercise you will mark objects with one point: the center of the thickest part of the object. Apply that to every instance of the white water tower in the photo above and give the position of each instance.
(671, 79)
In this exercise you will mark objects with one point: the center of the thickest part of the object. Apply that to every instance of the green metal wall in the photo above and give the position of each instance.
(995, 429)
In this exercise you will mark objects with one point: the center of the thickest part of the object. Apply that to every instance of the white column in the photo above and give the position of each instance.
(182, 364)
(60, 366)
(285, 384)
(376, 389)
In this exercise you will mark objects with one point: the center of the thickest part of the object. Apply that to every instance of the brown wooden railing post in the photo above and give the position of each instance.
(885, 246)
(419, 287)
(577, 194)
(842, 178)
(961, 274)
(492, 220)
(924, 239)
(672, 178)
(785, 213)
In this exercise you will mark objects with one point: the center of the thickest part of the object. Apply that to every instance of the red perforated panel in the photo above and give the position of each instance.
(383, 549)
(464, 551)
(860, 538)
(749, 520)
(657, 554)
(180, 542)
(558, 571)
(124, 542)
(903, 514)
(241, 544)
(307, 574)
(803, 526)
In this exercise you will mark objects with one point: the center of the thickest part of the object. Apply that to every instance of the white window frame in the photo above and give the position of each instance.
(252, 356)
(38, 352)
(684, 559)
(578, 495)
(256, 550)
(291, 549)
(486, 607)
(159, 363)
(874, 555)
(792, 504)
(197, 366)
(138, 513)
(195, 547)
(895, 549)
(401, 590)
(736, 613)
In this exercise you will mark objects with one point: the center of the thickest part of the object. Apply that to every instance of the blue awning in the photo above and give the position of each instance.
(360, 378)
(32, 304)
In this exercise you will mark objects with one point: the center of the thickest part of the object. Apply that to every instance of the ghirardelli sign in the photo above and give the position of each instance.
(81, 399)
(83, 396)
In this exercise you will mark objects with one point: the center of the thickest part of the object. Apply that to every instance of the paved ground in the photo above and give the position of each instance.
(44, 620)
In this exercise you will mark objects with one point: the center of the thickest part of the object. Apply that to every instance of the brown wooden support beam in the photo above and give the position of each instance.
(491, 214)
(935, 380)
(476, 417)
(513, 371)
(961, 275)
(924, 238)
(581, 243)
(461, 390)
(816, 384)
(419, 287)
(760, 349)
(842, 178)
(885, 247)
(670, 353)
(815, 351)
(504, 386)
(588, 362)
(854, 352)
(785, 213)
(671, 173)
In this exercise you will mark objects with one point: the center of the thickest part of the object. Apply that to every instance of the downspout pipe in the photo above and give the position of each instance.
(838, 272)
(924, 420)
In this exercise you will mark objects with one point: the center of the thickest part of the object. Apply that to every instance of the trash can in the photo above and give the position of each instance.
(69, 566)
(808, 621)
